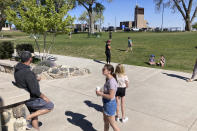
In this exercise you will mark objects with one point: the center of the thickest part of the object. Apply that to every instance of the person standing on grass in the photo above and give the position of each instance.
(123, 83)
(110, 35)
(109, 101)
(194, 72)
(130, 44)
(38, 104)
(108, 51)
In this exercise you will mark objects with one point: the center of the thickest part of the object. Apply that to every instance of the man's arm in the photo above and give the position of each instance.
(44, 98)
(34, 87)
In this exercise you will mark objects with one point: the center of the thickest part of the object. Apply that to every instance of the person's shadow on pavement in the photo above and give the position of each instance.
(176, 76)
(95, 106)
(78, 120)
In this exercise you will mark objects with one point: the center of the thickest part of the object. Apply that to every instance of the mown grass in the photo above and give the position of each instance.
(178, 48)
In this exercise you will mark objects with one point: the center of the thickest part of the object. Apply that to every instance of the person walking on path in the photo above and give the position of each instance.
(38, 104)
(123, 83)
(130, 44)
(108, 51)
(109, 101)
(194, 73)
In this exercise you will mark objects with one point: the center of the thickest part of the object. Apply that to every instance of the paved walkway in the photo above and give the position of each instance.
(157, 100)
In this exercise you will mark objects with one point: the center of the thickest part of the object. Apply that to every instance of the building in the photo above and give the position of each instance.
(138, 22)
(127, 24)
(139, 18)
(6, 26)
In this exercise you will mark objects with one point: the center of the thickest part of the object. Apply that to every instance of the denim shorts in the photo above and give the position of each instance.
(109, 107)
(38, 104)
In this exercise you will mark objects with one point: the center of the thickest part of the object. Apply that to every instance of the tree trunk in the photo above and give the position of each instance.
(188, 26)
(2, 23)
(91, 25)
(45, 35)
(52, 43)
(36, 42)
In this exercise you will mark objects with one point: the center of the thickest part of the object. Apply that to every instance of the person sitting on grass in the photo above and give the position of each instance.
(162, 61)
(130, 43)
(38, 104)
(152, 60)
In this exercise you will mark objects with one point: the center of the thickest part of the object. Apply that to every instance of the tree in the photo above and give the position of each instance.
(41, 17)
(99, 10)
(194, 25)
(3, 5)
(90, 6)
(184, 7)
(84, 18)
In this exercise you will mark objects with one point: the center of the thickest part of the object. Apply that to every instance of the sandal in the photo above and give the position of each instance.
(190, 80)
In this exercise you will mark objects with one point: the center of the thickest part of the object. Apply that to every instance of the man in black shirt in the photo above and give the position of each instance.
(38, 104)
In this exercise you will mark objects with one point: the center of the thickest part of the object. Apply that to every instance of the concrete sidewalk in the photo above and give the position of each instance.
(157, 100)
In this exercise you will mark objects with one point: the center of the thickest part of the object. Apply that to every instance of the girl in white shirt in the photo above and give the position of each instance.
(123, 82)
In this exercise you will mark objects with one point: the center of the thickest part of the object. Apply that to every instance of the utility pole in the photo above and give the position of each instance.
(162, 17)
(136, 14)
(115, 23)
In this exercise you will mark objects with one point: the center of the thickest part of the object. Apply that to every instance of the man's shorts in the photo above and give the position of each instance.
(39, 104)
(121, 92)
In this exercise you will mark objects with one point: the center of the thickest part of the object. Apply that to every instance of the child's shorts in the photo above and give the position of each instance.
(109, 107)
(121, 92)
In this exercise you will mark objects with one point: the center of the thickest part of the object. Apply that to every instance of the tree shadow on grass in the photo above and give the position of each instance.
(98, 61)
(147, 63)
(176, 76)
(95, 106)
(80, 121)
(123, 50)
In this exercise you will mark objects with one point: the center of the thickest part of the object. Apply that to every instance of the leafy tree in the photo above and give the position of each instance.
(41, 17)
(84, 17)
(195, 25)
(3, 6)
(90, 6)
(184, 7)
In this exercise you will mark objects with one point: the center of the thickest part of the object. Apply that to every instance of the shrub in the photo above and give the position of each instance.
(39, 69)
(24, 47)
(46, 63)
(6, 49)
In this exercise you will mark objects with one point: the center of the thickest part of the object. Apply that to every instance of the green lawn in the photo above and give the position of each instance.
(178, 48)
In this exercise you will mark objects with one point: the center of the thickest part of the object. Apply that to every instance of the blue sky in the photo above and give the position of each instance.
(123, 10)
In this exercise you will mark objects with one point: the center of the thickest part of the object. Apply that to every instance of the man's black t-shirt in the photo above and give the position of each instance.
(27, 80)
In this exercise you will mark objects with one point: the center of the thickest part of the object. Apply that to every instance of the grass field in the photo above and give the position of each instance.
(178, 48)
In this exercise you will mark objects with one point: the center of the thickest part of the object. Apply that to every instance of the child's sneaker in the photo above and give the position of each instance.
(125, 119)
(117, 119)
(29, 126)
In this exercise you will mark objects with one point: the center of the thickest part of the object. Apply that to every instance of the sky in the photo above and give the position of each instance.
(123, 10)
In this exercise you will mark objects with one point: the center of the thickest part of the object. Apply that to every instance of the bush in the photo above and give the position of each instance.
(24, 47)
(6, 49)
(47, 63)
(39, 69)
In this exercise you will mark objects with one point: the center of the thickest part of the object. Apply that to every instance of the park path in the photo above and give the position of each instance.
(157, 100)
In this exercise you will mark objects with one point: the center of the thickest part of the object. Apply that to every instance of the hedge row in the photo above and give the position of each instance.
(6, 49)
(24, 47)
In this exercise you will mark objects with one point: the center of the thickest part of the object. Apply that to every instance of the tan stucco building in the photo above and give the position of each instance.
(140, 22)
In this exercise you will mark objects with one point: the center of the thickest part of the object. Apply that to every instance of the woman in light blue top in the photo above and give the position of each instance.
(109, 101)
